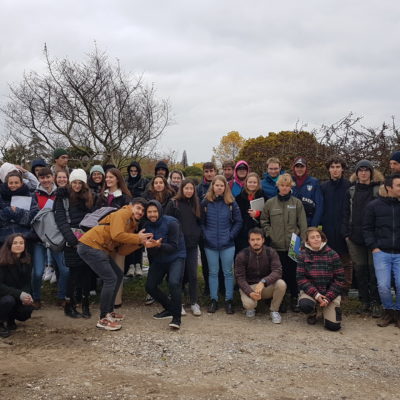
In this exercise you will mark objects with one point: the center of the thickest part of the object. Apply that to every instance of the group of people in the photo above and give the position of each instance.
(241, 224)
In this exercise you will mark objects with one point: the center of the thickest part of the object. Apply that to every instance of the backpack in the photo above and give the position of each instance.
(45, 227)
(92, 219)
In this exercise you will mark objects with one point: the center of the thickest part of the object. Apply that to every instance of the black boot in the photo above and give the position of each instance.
(85, 307)
(294, 304)
(213, 307)
(11, 325)
(4, 331)
(229, 307)
(70, 310)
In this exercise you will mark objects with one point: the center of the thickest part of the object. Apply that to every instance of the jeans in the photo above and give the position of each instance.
(226, 257)
(39, 261)
(108, 271)
(385, 264)
(11, 309)
(157, 272)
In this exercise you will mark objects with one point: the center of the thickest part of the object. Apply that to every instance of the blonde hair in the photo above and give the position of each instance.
(210, 195)
(285, 180)
(252, 175)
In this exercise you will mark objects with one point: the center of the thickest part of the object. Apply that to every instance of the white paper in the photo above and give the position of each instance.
(257, 204)
(23, 202)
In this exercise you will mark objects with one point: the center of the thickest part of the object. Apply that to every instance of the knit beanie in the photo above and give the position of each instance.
(78, 175)
(395, 156)
(59, 152)
(365, 164)
(97, 168)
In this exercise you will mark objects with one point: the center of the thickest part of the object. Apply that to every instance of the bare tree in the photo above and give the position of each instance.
(92, 107)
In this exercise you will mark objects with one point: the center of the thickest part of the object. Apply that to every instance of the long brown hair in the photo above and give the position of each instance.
(228, 197)
(85, 194)
(161, 196)
(121, 182)
(6, 255)
(193, 201)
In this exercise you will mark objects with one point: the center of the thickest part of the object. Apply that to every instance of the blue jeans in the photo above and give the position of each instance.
(213, 257)
(385, 264)
(39, 261)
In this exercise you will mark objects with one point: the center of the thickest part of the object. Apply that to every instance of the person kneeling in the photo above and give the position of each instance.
(15, 284)
(320, 277)
(258, 272)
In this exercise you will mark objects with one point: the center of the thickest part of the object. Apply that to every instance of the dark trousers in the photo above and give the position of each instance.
(79, 277)
(11, 309)
(289, 272)
(190, 275)
(156, 274)
(108, 271)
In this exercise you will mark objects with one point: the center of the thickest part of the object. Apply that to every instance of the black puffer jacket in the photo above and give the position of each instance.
(138, 184)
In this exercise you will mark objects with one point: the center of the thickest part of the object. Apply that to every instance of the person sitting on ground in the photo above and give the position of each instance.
(15, 284)
(258, 272)
(320, 278)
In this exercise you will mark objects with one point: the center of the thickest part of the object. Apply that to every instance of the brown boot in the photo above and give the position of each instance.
(387, 318)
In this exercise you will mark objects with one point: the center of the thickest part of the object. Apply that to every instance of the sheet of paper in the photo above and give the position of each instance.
(257, 204)
(23, 202)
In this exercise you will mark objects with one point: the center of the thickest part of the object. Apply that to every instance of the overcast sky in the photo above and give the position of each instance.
(254, 66)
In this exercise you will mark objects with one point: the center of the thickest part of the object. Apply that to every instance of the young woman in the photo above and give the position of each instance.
(96, 179)
(159, 190)
(71, 205)
(115, 194)
(221, 222)
(136, 182)
(175, 179)
(251, 218)
(185, 207)
(283, 215)
(16, 219)
(15, 284)
(320, 277)
(61, 178)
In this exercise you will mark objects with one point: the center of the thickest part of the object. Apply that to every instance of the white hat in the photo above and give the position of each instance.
(78, 175)
(5, 169)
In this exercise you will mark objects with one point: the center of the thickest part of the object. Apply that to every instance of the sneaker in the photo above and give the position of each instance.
(250, 313)
(276, 317)
(53, 278)
(175, 323)
(138, 270)
(183, 312)
(162, 315)
(93, 293)
(48, 273)
(213, 307)
(195, 309)
(131, 271)
(115, 316)
(229, 307)
(108, 325)
(148, 301)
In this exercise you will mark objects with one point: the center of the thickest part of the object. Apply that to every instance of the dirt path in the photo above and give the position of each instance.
(212, 357)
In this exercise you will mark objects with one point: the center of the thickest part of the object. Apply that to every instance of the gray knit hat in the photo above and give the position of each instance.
(97, 168)
(365, 164)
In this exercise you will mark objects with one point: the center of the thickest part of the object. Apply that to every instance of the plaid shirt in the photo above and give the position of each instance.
(320, 272)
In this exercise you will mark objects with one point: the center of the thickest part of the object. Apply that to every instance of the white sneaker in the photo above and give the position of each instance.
(276, 317)
(250, 313)
(48, 273)
(93, 293)
(138, 270)
(183, 312)
(195, 309)
(131, 271)
(53, 278)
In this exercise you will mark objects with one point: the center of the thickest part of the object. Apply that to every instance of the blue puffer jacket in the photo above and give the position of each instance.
(269, 185)
(220, 223)
(311, 196)
(173, 242)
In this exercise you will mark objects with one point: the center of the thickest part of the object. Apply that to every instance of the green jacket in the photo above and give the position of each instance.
(280, 219)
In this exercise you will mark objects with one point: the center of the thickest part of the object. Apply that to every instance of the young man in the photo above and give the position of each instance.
(308, 190)
(116, 233)
(209, 172)
(364, 189)
(228, 169)
(268, 183)
(381, 229)
(161, 168)
(258, 272)
(240, 174)
(334, 193)
(394, 162)
(61, 159)
(37, 165)
(45, 195)
(167, 253)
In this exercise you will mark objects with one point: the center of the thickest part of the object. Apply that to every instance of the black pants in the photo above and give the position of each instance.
(190, 275)
(289, 272)
(11, 309)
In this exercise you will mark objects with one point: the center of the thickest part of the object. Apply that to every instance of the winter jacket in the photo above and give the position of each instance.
(281, 217)
(173, 243)
(334, 193)
(251, 267)
(311, 196)
(268, 185)
(96, 188)
(320, 272)
(202, 189)
(15, 279)
(243, 201)
(138, 184)
(238, 184)
(43, 196)
(115, 233)
(357, 197)
(190, 224)
(119, 199)
(220, 223)
(18, 221)
(381, 224)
